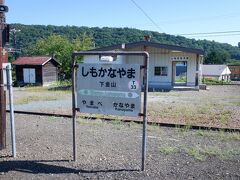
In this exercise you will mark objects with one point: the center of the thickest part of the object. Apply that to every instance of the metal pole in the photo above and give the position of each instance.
(74, 108)
(144, 136)
(15, 45)
(10, 90)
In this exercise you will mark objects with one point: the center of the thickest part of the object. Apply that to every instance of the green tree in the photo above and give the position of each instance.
(82, 43)
(61, 48)
(30, 34)
(216, 57)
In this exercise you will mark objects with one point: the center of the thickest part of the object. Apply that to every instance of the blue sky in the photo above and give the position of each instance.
(171, 16)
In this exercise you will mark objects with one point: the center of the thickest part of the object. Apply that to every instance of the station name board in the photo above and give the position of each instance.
(110, 89)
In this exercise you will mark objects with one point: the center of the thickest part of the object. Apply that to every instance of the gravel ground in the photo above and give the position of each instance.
(218, 106)
(112, 150)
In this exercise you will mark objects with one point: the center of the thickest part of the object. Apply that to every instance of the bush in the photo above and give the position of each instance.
(211, 81)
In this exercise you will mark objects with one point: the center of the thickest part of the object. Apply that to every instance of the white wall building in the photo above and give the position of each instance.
(162, 63)
(217, 72)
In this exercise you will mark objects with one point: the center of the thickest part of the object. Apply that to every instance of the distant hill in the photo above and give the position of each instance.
(105, 36)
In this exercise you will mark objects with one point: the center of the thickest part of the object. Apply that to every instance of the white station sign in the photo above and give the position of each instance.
(110, 89)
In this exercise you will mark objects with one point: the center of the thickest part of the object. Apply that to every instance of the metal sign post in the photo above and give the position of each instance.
(10, 90)
(109, 89)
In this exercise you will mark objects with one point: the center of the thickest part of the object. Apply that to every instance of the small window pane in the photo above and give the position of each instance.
(160, 71)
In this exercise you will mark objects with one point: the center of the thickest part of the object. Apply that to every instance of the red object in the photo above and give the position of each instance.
(38, 60)
(3, 56)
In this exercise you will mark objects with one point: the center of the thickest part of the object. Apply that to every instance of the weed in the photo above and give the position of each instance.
(153, 127)
(183, 129)
(202, 153)
(210, 81)
(195, 152)
(133, 124)
(35, 89)
(92, 122)
(169, 150)
(236, 103)
(212, 151)
(222, 154)
(116, 122)
(52, 118)
(233, 97)
(62, 83)
(98, 116)
(29, 99)
(233, 152)
(221, 135)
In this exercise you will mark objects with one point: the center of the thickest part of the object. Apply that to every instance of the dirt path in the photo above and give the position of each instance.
(113, 151)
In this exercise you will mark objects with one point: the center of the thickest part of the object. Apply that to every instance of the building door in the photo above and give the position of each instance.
(179, 73)
(29, 75)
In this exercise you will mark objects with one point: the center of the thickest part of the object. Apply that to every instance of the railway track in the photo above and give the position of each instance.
(163, 124)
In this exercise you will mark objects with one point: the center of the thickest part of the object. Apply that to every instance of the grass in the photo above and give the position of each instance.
(202, 153)
(153, 127)
(35, 89)
(236, 97)
(28, 99)
(220, 135)
(91, 122)
(169, 150)
(205, 112)
(39, 93)
(116, 122)
(61, 86)
(236, 103)
(195, 152)
(210, 81)
(181, 79)
(166, 94)
(183, 131)
(62, 83)
(53, 118)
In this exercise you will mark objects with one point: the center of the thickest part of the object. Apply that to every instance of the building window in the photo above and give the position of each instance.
(160, 71)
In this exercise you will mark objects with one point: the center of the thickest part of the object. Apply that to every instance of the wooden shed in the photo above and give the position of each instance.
(235, 72)
(38, 70)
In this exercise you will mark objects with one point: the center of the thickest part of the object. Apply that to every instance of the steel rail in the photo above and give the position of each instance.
(163, 124)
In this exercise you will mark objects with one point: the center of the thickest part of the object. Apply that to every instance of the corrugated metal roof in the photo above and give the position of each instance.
(151, 44)
(215, 70)
(35, 60)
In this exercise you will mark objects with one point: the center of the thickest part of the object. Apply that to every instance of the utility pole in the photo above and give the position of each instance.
(4, 37)
(14, 34)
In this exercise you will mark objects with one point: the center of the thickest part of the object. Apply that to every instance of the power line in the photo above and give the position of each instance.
(144, 12)
(194, 36)
(208, 33)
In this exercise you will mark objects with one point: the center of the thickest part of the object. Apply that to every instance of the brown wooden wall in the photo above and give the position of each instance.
(50, 72)
(235, 72)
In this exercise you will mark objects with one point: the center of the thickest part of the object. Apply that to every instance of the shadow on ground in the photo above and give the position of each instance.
(39, 167)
